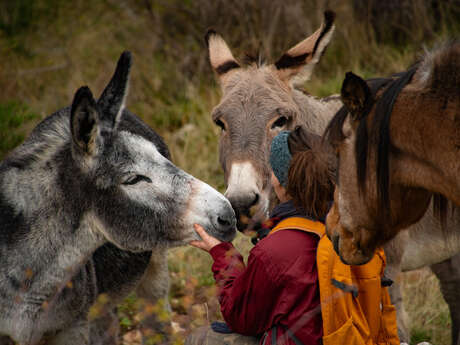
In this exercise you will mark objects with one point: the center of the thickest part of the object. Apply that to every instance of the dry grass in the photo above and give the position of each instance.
(428, 313)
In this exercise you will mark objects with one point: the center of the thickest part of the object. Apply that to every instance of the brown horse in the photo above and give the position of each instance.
(314, 170)
(398, 142)
(258, 101)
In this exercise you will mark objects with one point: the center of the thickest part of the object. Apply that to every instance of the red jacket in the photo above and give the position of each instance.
(279, 287)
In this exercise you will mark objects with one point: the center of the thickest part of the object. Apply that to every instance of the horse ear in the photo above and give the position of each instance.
(355, 95)
(84, 120)
(297, 64)
(112, 100)
(220, 56)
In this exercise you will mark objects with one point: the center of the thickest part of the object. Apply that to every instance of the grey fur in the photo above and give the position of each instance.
(254, 97)
(83, 202)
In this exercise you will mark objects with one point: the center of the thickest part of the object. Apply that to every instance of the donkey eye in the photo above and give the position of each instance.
(220, 124)
(280, 122)
(136, 179)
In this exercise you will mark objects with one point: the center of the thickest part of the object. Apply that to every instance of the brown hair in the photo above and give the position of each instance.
(311, 172)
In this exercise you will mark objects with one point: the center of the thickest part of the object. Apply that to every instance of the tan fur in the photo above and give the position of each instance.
(424, 129)
(219, 53)
(301, 74)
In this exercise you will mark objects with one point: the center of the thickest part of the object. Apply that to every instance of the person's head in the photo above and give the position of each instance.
(305, 169)
(280, 159)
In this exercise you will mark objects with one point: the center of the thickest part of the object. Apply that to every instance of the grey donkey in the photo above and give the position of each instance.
(260, 100)
(85, 202)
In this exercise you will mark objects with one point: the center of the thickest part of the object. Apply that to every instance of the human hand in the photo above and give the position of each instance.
(207, 241)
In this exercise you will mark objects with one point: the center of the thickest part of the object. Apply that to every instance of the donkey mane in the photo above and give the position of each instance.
(53, 133)
(43, 142)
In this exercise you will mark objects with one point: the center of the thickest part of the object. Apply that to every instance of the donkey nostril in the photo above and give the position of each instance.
(255, 201)
(223, 222)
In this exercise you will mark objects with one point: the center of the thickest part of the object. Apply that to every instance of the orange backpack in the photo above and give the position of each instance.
(355, 307)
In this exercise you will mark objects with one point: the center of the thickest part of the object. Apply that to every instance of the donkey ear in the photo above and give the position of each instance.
(112, 101)
(297, 64)
(355, 95)
(84, 119)
(220, 56)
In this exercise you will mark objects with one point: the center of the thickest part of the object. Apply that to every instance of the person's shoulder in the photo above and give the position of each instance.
(298, 236)
(287, 243)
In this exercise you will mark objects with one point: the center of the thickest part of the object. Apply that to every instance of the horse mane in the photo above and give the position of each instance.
(438, 71)
(444, 63)
(380, 133)
(334, 134)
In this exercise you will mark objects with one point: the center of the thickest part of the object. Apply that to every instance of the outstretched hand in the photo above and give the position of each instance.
(207, 241)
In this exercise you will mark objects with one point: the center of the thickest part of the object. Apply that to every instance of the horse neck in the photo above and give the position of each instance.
(428, 242)
(316, 112)
(423, 129)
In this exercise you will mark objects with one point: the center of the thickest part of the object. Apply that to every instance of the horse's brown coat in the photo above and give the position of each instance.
(423, 158)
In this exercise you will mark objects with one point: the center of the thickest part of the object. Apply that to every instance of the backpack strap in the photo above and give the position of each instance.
(274, 336)
(290, 334)
(299, 223)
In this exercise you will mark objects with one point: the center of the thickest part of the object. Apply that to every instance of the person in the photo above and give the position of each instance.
(276, 297)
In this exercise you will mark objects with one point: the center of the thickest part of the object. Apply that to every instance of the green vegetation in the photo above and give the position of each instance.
(14, 116)
(429, 319)
(49, 48)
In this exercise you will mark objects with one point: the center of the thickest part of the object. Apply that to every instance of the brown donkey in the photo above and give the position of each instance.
(259, 101)
(397, 145)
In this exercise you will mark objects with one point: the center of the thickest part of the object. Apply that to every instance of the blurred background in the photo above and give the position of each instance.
(49, 48)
